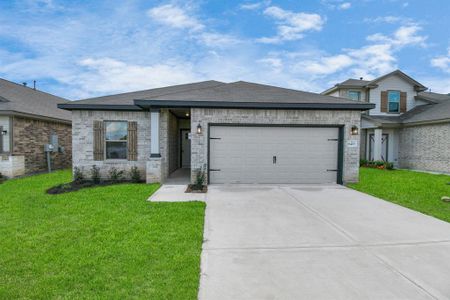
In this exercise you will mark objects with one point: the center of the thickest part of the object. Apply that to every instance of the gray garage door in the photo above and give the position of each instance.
(273, 154)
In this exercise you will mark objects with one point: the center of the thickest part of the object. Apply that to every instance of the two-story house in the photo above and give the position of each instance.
(409, 126)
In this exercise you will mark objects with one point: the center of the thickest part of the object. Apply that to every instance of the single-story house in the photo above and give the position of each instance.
(238, 132)
(30, 120)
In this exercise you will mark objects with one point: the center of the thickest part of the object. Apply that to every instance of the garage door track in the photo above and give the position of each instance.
(319, 242)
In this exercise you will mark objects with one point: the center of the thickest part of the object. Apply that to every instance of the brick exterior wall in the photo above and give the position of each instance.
(425, 147)
(199, 143)
(29, 138)
(82, 137)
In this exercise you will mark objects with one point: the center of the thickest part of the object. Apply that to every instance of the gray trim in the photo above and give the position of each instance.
(340, 158)
(1, 139)
(11, 134)
(257, 105)
(74, 106)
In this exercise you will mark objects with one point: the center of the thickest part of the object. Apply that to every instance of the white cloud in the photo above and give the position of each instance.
(174, 16)
(344, 6)
(442, 62)
(254, 5)
(403, 36)
(291, 26)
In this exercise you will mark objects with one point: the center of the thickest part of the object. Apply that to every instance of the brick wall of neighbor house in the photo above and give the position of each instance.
(29, 138)
(82, 137)
(199, 143)
(425, 147)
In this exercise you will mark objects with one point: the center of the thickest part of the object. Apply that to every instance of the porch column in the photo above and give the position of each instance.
(154, 133)
(378, 134)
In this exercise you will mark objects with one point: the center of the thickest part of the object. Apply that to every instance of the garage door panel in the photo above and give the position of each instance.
(245, 154)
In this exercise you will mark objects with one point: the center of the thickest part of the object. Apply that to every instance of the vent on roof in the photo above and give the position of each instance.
(360, 78)
(24, 83)
(3, 99)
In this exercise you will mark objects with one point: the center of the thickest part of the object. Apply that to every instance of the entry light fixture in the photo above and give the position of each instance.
(187, 114)
(354, 130)
(199, 129)
(4, 132)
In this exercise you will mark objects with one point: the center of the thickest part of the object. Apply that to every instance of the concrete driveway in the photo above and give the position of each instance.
(319, 242)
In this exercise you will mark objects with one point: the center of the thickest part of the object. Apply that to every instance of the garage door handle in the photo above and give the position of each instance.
(274, 159)
(332, 170)
(214, 170)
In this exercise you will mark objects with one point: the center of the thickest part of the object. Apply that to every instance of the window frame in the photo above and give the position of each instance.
(389, 102)
(354, 91)
(105, 140)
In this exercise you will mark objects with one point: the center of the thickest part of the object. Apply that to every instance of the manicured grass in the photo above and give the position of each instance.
(97, 243)
(419, 191)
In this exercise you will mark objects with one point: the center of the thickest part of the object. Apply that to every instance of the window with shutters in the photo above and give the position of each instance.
(116, 139)
(394, 101)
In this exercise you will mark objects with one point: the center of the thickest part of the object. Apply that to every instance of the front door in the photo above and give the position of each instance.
(384, 146)
(185, 148)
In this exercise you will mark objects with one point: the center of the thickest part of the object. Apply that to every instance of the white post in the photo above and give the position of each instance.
(378, 135)
(154, 133)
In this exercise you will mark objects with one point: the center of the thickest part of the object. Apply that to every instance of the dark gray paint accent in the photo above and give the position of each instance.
(1, 139)
(70, 106)
(255, 105)
(155, 155)
(340, 158)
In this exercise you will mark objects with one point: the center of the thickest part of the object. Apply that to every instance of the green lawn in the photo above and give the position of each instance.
(415, 190)
(101, 243)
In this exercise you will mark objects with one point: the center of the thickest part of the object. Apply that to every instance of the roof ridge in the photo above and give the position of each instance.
(193, 89)
(146, 90)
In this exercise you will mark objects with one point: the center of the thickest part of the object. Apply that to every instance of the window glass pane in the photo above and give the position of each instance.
(354, 95)
(394, 96)
(393, 106)
(116, 131)
(116, 150)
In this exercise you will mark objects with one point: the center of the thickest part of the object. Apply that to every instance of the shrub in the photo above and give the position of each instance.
(115, 175)
(378, 164)
(200, 178)
(78, 175)
(95, 174)
(2, 178)
(135, 174)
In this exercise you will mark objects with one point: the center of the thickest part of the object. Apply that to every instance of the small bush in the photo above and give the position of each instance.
(95, 174)
(115, 175)
(200, 178)
(2, 178)
(135, 174)
(78, 175)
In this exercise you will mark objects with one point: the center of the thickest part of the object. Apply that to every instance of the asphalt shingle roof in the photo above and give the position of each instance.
(17, 98)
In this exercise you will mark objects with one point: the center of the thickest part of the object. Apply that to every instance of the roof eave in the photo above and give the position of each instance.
(250, 105)
(75, 106)
(33, 116)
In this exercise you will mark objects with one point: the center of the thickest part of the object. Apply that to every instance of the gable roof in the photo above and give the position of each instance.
(17, 99)
(238, 94)
(359, 83)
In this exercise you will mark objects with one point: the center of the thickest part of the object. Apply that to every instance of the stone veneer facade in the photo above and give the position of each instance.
(203, 116)
(425, 147)
(29, 138)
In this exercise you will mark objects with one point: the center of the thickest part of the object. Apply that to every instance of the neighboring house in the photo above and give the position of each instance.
(408, 126)
(28, 119)
(239, 132)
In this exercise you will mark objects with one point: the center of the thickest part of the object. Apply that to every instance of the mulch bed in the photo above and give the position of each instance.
(192, 188)
(78, 185)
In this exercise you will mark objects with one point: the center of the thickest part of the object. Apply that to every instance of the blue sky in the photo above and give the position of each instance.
(78, 49)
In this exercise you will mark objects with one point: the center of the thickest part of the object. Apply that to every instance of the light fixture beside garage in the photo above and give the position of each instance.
(4, 132)
(354, 130)
(199, 129)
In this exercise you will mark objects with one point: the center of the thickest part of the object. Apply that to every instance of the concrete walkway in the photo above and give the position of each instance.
(319, 242)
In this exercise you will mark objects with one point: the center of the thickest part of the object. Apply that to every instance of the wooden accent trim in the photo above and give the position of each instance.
(384, 101)
(402, 102)
(99, 140)
(132, 140)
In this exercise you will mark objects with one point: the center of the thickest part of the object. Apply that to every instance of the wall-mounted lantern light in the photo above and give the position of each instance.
(199, 129)
(4, 132)
(354, 130)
